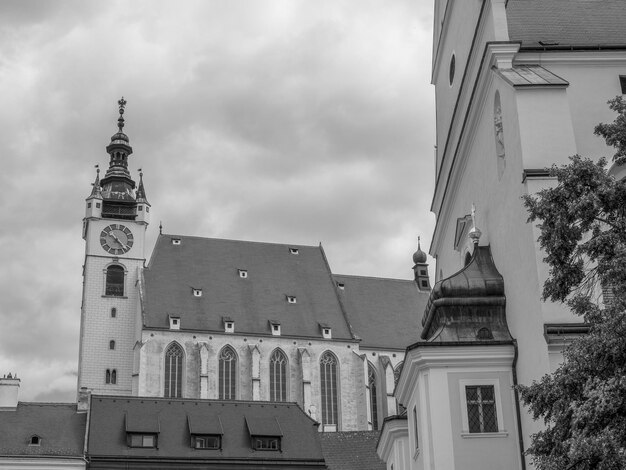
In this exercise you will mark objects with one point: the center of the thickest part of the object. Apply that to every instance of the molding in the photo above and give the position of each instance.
(394, 428)
(420, 358)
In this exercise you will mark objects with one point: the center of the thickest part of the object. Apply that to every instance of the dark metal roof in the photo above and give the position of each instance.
(469, 305)
(567, 23)
(273, 274)
(108, 440)
(353, 450)
(384, 313)
(526, 76)
(59, 426)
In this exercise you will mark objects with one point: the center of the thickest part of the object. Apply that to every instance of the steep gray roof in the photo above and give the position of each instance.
(567, 22)
(59, 426)
(108, 427)
(384, 313)
(273, 274)
(351, 450)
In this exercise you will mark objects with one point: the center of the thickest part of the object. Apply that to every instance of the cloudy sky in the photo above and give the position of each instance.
(281, 120)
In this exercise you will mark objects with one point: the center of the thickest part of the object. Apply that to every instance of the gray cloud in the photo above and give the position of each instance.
(278, 120)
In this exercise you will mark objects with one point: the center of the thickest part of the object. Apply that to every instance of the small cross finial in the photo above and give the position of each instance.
(160, 228)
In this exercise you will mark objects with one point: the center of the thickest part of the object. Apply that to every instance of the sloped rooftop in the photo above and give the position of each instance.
(60, 428)
(107, 429)
(383, 312)
(273, 273)
(565, 23)
(354, 450)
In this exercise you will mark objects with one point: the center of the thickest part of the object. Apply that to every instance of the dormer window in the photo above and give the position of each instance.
(291, 299)
(174, 323)
(275, 327)
(35, 440)
(206, 441)
(229, 325)
(294, 251)
(266, 443)
(326, 331)
(265, 434)
(197, 292)
(175, 241)
(142, 440)
(243, 273)
(341, 286)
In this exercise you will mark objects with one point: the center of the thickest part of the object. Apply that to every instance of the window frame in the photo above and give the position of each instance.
(233, 373)
(124, 272)
(495, 383)
(283, 386)
(167, 388)
(372, 392)
(261, 439)
(195, 438)
(142, 435)
(334, 404)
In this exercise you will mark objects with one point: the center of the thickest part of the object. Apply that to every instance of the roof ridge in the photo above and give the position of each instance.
(196, 237)
(358, 276)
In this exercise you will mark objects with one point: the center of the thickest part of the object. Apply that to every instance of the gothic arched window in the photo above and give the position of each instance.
(174, 371)
(114, 281)
(227, 373)
(371, 384)
(328, 382)
(278, 376)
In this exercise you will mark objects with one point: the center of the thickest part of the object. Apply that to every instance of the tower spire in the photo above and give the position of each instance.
(95, 191)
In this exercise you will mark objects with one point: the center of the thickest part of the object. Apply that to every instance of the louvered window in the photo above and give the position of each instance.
(278, 376)
(115, 281)
(227, 371)
(174, 371)
(328, 378)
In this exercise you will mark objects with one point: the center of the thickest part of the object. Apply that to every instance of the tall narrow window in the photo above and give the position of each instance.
(227, 371)
(114, 376)
(400, 410)
(481, 409)
(328, 379)
(278, 376)
(114, 281)
(416, 428)
(371, 384)
(173, 371)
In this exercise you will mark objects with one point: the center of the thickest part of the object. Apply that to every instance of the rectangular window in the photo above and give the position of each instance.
(206, 441)
(481, 409)
(622, 83)
(142, 440)
(266, 443)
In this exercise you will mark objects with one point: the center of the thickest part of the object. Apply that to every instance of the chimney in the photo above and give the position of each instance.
(9, 388)
(84, 397)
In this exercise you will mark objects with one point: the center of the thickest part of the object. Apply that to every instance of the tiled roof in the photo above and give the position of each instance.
(59, 426)
(107, 435)
(355, 450)
(567, 22)
(273, 274)
(384, 313)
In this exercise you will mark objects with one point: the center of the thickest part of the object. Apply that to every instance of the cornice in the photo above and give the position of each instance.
(425, 356)
(393, 429)
(590, 58)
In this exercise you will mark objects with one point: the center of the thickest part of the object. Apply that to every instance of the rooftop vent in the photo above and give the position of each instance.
(294, 251)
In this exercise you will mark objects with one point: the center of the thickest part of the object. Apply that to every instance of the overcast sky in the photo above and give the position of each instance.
(281, 121)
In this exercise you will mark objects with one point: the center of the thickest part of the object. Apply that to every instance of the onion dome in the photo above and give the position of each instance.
(419, 257)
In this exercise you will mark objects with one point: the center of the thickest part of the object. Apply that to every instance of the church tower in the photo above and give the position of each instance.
(117, 214)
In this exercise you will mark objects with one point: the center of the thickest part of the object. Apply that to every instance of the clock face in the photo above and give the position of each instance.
(116, 239)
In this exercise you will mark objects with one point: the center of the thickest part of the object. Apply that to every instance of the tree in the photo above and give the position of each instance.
(582, 222)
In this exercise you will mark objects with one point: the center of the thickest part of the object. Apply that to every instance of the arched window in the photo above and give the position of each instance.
(328, 381)
(112, 344)
(174, 371)
(115, 281)
(110, 376)
(371, 384)
(227, 371)
(114, 376)
(278, 376)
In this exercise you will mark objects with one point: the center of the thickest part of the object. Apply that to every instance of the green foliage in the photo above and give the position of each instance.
(582, 223)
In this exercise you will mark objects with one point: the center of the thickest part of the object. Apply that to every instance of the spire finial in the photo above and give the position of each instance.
(474, 233)
(160, 228)
(120, 120)
(419, 256)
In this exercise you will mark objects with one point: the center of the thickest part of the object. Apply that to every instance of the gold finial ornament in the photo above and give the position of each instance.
(120, 120)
